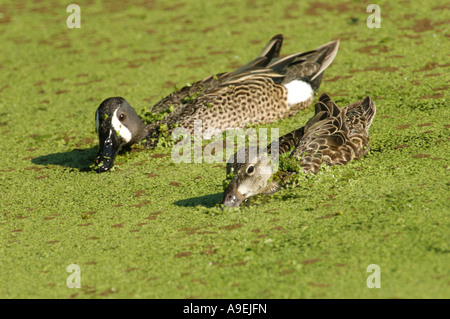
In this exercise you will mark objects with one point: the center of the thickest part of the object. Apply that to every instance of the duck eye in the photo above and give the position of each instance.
(122, 117)
(250, 169)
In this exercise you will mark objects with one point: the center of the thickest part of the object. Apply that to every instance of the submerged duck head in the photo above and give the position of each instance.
(248, 174)
(117, 126)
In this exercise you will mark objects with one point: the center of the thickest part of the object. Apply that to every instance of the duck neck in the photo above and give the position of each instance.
(150, 135)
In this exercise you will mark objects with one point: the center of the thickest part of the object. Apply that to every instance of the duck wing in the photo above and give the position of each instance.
(262, 81)
(325, 138)
(180, 97)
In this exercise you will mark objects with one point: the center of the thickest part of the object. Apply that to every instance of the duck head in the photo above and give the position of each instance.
(248, 174)
(117, 125)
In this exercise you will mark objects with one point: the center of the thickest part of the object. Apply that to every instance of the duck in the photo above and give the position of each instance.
(266, 89)
(334, 136)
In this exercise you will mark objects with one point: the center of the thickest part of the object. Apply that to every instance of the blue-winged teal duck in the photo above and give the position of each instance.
(265, 89)
(333, 135)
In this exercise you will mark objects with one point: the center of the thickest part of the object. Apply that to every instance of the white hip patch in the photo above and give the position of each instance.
(298, 91)
(120, 129)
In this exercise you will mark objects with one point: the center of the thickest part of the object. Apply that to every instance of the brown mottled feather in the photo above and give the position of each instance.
(335, 136)
(252, 94)
(211, 83)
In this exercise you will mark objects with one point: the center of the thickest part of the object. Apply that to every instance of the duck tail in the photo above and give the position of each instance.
(273, 48)
(324, 56)
(307, 66)
(271, 51)
(369, 109)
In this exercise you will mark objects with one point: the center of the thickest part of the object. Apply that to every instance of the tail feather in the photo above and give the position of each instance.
(327, 54)
(327, 105)
(273, 48)
(306, 66)
(365, 108)
(326, 113)
(369, 110)
(270, 52)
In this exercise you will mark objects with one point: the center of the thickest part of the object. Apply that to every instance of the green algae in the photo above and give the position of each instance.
(151, 228)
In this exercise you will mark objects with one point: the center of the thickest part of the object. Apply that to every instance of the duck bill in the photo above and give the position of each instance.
(107, 150)
(232, 197)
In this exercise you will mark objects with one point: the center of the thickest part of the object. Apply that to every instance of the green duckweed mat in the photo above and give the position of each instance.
(151, 228)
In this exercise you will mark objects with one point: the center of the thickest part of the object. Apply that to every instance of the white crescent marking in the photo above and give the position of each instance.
(120, 129)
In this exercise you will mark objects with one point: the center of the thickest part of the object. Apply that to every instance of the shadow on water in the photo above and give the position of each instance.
(208, 201)
(212, 200)
(80, 159)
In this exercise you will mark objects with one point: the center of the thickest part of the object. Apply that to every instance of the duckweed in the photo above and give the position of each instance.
(152, 228)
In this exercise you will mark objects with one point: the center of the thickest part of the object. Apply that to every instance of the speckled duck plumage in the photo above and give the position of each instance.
(333, 135)
(264, 90)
